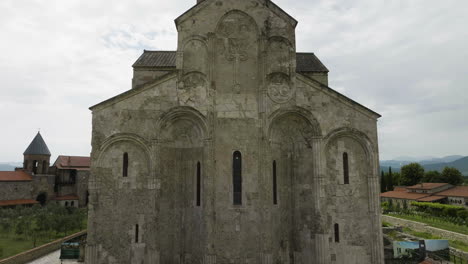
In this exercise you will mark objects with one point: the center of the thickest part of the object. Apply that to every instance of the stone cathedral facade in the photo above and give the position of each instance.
(233, 149)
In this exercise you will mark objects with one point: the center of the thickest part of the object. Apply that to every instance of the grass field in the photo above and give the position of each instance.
(24, 228)
(11, 245)
(434, 222)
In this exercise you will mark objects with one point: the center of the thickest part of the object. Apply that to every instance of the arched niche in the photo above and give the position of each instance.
(111, 163)
(182, 132)
(236, 53)
(279, 53)
(352, 199)
(195, 56)
(292, 133)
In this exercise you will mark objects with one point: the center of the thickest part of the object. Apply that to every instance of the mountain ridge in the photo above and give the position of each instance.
(455, 161)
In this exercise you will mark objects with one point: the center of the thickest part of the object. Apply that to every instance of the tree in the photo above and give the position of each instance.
(411, 174)
(390, 180)
(452, 176)
(383, 185)
(432, 176)
(396, 179)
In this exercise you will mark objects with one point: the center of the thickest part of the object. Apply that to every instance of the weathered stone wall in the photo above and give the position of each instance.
(82, 187)
(235, 89)
(16, 190)
(420, 227)
(43, 184)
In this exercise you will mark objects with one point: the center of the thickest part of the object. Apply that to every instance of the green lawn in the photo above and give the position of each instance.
(434, 222)
(24, 228)
(11, 245)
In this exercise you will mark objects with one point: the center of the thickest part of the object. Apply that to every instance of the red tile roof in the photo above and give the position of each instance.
(18, 175)
(458, 191)
(400, 189)
(73, 162)
(431, 198)
(17, 202)
(404, 195)
(427, 186)
(66, 197)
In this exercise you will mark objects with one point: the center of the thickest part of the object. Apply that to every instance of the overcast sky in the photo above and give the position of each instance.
(407, 60)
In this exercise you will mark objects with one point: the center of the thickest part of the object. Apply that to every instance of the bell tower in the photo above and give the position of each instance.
(37, 156)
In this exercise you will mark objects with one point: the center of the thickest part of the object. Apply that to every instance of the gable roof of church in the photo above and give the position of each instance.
(305, 62)
(274, 7)
(37, 146)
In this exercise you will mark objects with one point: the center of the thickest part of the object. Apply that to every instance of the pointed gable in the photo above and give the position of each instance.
(272, 6)
(37, 146)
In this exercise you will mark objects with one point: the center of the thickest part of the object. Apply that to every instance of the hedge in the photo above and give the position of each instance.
(438, 209)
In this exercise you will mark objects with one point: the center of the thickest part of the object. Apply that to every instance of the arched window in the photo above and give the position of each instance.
(198, 184)
(125, 165)
(72, 203)
(275, 194)
(345, 168)
(337, 233)
(66, 203)
(136, 233)
(237, 177)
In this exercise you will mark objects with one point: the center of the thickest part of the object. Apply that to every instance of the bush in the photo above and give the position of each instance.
(463, 214)
(437, 209)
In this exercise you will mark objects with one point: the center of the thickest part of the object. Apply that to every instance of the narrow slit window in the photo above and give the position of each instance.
(136, 233)
(345, 168)
(237, 177)
(275, 190)
(198, 184)
(34, 169)
(125, 165)
(337, 233)
(44, 167)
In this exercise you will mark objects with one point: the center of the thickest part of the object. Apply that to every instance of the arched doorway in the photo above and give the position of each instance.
(42, 198)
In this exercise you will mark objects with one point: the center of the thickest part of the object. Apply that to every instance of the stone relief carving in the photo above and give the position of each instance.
(280, 88)
(293, 129)
(234, 33)
(192, 89)
(182, 133)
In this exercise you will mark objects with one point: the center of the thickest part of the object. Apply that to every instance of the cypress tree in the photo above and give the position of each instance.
(383, 185)
(390, 180)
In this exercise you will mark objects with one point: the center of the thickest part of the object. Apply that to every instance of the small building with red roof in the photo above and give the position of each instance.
(427, 192)
(65, 182)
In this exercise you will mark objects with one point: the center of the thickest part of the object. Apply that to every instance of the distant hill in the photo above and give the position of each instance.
(460, 164)
(438, 164)
(9, 166)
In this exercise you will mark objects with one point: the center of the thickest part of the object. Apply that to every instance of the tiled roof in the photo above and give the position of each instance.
(400, 189)
(427, 186)
(72, 162)
(403, 195)
(458, 191)
(431, 198)
(17, 202)
(37, 146)
(18, 175)
(306, 62)
(66, 197)
(163, 59)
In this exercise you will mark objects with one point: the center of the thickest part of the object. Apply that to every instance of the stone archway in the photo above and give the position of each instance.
(42, 198)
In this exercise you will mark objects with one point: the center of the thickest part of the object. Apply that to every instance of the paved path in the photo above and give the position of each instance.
(52, 258)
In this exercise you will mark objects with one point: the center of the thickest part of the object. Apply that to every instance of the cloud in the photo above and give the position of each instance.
(404, 59)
